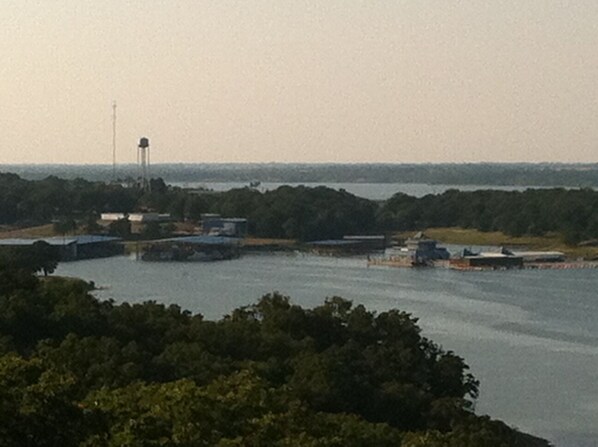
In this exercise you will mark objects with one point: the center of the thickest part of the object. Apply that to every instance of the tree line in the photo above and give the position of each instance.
(75, 371)
(306, 213)
(572, 213)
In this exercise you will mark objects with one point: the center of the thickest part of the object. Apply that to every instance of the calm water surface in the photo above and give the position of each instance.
(530, 337)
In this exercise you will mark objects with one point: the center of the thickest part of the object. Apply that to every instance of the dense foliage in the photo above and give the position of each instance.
(23, 201)
(299, 212)
(571, 212)
(75, 371)
(305, 213)
(40, 257)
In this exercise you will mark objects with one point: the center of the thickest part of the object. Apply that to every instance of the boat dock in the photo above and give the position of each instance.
(562, 265)
(401, 262)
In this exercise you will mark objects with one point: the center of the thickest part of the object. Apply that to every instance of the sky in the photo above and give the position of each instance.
(299, 80)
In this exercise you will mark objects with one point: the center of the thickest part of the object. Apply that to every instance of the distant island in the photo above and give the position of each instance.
(513, 174)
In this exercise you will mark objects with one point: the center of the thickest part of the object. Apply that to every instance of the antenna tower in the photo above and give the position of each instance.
(114, 141)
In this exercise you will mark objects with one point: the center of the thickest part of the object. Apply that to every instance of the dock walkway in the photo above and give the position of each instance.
(402, 262)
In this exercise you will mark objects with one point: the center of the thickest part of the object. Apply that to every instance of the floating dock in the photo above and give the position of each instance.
(562, 265)
(401, 262)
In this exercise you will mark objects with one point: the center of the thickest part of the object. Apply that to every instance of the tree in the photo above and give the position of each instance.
(35, 403)
(39, 257)
(120, 228)
(44, 257)
(151, 230)
(65, 225)
(91, 224)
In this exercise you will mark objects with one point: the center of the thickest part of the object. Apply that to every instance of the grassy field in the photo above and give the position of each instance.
(30, 232)
(549, 242)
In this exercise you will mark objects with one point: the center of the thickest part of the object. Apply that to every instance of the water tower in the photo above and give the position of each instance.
(143, 161)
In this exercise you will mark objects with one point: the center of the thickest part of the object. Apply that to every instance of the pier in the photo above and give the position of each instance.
(401, 262)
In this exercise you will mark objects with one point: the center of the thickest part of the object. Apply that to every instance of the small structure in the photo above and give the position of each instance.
(486, 262)
(193, 248)
(371, 242)
(112, 217)
(90, 246)
(349, 244)
(336, 246)
(234, 227)
(210, 222)
(418, 251)
(66, 247)
(540, 256)
(423, 250)
(149, 217)
(503, 259)
(74, 247)
(215, 225)
(136, 217)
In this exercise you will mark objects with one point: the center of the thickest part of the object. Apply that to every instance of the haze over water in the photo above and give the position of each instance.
(530, 337)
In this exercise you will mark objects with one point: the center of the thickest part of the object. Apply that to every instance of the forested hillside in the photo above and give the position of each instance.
(75, 371)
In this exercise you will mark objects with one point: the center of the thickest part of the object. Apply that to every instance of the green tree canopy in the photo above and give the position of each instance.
(75, 371)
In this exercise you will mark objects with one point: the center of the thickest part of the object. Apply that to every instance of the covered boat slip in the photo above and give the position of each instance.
(193, 248)
(72, 248)
(349, 244)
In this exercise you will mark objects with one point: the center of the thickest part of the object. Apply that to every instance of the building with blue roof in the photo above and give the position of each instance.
(193, 248)
(349, 244)
(72, 248)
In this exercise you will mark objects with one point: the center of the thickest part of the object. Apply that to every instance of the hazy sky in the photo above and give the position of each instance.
(299, 80)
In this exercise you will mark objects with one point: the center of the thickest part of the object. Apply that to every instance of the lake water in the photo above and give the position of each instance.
(530, 337)
(372, 191)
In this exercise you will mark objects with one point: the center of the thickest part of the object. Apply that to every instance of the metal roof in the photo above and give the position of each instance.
(19, 242)
(59, 240)
(203, 240)
(375, 237)
(336, 242)
(538, 253)
(93, 238)
(492, 255)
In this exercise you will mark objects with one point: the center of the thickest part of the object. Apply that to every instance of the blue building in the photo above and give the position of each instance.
(423, 250)
(215, 225)
(71, 248)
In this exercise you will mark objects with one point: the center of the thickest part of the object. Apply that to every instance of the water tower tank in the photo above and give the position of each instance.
(144, 142)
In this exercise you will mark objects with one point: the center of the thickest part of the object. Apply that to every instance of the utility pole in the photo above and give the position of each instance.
(114, 141)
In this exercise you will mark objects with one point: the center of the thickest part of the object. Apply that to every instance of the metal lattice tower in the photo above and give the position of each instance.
(114, 141)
